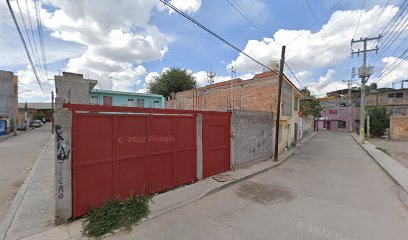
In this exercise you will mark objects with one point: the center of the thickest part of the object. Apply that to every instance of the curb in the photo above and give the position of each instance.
(15, 205)
(386, 171)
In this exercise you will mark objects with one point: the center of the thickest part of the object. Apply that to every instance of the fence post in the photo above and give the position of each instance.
(199, 146)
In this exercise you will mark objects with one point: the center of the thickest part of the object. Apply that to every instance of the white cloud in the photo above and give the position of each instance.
(189, 6)
(324, 48)
(400, 72)
(27, 81)
(326, 83)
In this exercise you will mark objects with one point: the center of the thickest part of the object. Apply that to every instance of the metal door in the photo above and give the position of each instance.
(216, 143)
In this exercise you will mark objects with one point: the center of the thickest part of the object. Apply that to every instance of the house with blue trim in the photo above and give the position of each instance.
(125, 99)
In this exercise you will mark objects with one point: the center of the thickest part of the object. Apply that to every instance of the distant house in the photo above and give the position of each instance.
(29, 110)
(396, 100)
(335, 114)
(257, 94)
(126, 99)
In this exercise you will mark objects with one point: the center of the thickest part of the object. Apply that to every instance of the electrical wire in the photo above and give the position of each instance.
(246, 17)
(24, 44)
(359, 19)
(212, 33)
(314, 24)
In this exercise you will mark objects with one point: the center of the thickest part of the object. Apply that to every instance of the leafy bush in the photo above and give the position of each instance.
(115, 214)
(39, 116)
(379, 120)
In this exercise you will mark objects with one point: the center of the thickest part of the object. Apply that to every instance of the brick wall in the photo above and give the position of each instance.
(399, 127)
(258, 94)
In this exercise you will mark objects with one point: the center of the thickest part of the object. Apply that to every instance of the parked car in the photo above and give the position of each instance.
(22, 127)
(36, 123)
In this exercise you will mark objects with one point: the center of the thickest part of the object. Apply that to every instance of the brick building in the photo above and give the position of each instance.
(396, 100)
(256, 94)
(399, 128)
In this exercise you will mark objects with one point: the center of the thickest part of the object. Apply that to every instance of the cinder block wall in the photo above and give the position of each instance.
(399, 127)
(252, 136)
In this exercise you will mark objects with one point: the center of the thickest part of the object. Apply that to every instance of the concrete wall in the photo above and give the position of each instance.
(252, 136)
(70, 88)
(8, 102)
(399, 127)
(307, 125)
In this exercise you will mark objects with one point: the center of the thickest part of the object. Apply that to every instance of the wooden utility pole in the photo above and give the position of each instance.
(278, 109)
(52, 112)
(364, 73)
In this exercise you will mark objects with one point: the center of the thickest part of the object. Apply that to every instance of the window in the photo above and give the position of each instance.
(399, 111)
(399, 95)
(296, 104)
(391, 95)
(130, 102)
(156, 104)
(140, 102)
(93, 100)
(341, 124)
(332, 111)
(107, 101)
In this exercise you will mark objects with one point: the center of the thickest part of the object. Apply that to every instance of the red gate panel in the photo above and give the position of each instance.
(93, 162)
(216, 143)
(117, 155)
(132, 155)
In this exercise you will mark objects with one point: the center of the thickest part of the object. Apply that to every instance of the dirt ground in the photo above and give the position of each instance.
(396, 149)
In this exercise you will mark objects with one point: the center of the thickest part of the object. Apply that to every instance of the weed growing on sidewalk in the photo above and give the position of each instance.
(114, 215)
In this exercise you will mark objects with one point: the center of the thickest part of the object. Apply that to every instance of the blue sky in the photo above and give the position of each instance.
(135, 40)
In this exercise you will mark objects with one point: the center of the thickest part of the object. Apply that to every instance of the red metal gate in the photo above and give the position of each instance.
(119, 154)
(216, 143)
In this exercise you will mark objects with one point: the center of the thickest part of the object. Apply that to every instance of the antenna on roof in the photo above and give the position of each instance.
(211, 76)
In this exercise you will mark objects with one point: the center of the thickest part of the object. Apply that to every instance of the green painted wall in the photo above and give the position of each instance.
(122, 98)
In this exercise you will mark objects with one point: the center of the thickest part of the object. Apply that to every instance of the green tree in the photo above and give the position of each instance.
(39, 116)
(379, 120)
(173, 80)
(311, 107)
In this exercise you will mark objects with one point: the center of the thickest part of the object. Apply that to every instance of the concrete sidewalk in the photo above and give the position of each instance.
(170, 200)
(394, 168)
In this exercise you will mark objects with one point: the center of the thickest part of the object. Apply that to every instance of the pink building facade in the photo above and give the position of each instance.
(335, 116)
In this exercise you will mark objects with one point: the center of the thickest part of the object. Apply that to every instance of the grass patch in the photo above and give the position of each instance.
(114, 215)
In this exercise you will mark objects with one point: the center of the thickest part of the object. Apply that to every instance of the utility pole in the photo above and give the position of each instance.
(349, 84)
(52, 112)
(278, 108)
(364, 73)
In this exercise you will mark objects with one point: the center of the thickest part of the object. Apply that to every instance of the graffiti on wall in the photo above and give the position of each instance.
(63, 148)
(63, 151)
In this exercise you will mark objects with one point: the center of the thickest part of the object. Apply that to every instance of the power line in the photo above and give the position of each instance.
(378, 18)
(24, 44)
(388, 70)
(246, 17)
(41, 36)
(212, 33)
(294, 75)
(359, 19)
(393, 37)
(314, 24)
